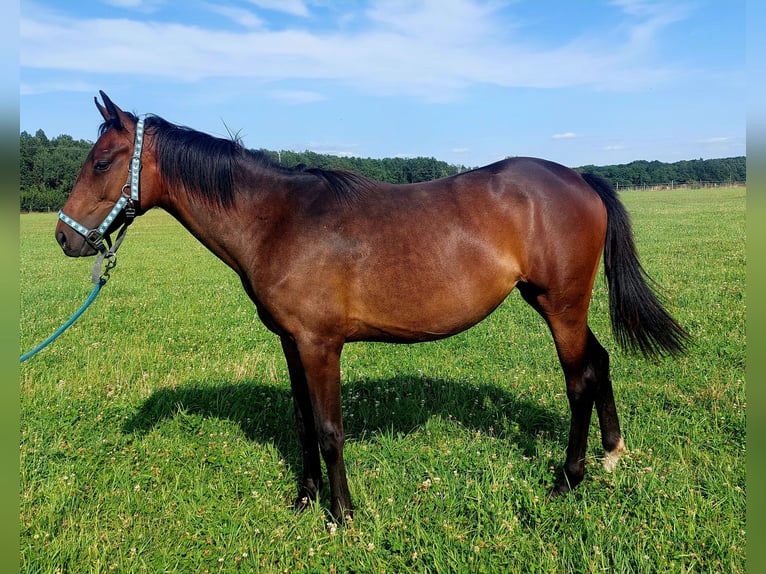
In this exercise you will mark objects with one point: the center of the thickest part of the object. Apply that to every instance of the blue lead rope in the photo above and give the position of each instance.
(101, 282)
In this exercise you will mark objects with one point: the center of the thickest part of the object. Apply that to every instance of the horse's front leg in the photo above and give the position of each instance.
(311, 482)
(321, 368)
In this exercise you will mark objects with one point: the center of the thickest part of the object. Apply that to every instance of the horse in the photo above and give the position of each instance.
(330, 257)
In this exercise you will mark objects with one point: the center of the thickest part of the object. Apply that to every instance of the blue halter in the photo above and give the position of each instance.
(95, 237)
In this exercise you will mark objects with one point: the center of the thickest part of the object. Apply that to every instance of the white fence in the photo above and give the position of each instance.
(675, 185)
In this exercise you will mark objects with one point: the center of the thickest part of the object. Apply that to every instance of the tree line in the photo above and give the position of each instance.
(48, 168)
(730, 170)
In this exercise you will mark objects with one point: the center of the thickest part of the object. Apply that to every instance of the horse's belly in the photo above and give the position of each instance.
(433, 312)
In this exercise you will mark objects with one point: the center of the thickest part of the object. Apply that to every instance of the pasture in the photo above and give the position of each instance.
(157, 433)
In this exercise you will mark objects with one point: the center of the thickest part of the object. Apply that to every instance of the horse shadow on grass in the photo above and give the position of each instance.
(398, 405)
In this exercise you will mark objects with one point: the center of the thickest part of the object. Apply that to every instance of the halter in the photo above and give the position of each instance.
(95, 237)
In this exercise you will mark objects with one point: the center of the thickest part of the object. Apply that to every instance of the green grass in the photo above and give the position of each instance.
(157, 433)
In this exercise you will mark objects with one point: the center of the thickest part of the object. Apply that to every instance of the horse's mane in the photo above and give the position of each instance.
(206, 165)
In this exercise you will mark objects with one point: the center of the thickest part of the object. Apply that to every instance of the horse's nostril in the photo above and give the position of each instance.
(61, 238)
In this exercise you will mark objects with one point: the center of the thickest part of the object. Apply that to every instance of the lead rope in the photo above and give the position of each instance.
(99, 281)
(96, 277)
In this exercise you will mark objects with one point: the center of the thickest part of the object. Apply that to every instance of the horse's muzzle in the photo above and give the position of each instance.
(73, 244)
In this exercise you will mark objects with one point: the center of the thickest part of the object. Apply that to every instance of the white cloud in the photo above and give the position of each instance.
(244, 18)
(294, 7)
(403, 48)
(27, 89)
(125, 3)
(715, 140)
(145, 6)
(564, 136)
(296, 96)
(339, 150)
(653, 16)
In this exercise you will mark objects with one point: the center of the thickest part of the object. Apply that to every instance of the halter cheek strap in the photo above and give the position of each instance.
(95, 237)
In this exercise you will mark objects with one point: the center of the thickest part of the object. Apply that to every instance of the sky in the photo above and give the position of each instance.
(468, 82)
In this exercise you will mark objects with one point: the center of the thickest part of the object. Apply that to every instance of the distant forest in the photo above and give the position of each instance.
(48, 168)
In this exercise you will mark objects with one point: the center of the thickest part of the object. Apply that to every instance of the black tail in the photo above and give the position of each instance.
(639, 321)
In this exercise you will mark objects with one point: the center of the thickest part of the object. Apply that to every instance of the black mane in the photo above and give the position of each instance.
(206, 165)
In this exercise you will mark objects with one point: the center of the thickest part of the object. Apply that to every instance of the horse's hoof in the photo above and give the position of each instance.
(565, 483)
(305, 497)
(302, 503)
(559, 488)
(342, 515)
(612, 457)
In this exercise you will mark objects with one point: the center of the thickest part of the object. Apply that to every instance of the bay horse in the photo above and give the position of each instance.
(330, 257)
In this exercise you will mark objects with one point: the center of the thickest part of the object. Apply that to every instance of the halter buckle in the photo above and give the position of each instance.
(96, 240)
(130, 210)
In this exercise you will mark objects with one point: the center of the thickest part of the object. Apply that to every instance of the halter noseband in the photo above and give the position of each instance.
(95, 237)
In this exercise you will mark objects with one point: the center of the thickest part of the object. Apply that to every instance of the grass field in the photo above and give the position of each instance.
(157, 433)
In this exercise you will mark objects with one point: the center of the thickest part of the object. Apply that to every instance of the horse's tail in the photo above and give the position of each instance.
(639, 321)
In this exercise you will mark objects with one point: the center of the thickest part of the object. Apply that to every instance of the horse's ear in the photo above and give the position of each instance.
(102, 109)
(110, 112)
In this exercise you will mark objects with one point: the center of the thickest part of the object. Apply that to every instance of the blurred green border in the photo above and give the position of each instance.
(756, 334)
(756, 285)
(9, 288)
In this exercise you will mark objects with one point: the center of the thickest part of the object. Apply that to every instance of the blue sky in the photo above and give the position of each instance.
(465, 81)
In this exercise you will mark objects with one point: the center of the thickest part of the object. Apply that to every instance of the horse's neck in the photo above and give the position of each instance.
(231, 233)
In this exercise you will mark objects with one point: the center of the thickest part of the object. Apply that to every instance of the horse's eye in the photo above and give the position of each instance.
(102, 165)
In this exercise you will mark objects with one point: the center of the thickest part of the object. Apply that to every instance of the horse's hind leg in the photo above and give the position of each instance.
(586, 370)
(611, 437)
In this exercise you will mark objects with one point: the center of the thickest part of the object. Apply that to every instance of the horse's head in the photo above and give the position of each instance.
(106, 192)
